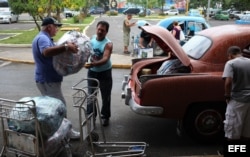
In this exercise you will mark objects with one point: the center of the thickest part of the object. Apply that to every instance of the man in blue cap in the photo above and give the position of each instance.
(48, 81)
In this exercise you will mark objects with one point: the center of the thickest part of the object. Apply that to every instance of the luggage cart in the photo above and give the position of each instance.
(13, 141)
(24, 144)
(81, 98)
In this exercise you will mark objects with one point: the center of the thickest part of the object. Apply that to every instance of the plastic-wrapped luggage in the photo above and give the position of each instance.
(68, 63)
(50, 114)
(172, 66)
(53, 144)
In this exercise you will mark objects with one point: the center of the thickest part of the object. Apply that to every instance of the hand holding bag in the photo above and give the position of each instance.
(182, 36)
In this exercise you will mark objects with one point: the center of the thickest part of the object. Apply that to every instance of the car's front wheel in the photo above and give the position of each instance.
(204, 122)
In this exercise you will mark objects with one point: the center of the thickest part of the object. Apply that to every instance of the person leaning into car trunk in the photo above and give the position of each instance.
(237, 94)
(126, 32)
(145, 40)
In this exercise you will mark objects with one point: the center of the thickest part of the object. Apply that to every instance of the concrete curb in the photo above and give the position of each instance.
(118, 61)
(17, 61)
(116, 58)
(16, 45)
(116, 66)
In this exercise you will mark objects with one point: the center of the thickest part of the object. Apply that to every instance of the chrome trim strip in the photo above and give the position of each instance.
(145, 110)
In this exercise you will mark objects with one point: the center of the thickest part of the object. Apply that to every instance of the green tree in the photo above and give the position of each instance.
(226, 4)
(162, 3)
(38, 9)
(240, 4)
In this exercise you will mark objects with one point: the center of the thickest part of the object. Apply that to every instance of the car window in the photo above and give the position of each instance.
(4, 13)
(197, 46)
(194, 12)
(224, 12)
(181, 23)
(170, 27)
(196, 26)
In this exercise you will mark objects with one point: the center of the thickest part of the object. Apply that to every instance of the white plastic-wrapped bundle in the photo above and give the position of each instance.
(53, 144)
(50, 113)
(67, 63)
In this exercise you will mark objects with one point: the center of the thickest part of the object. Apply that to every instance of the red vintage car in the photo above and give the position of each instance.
(193, 92)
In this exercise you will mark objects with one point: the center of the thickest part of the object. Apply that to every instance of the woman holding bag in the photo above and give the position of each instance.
(177, 32)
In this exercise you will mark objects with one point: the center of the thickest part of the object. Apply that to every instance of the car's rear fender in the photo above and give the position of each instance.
(175, 94)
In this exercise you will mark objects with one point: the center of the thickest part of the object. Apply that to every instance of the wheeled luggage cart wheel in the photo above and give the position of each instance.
(88, 154)
(94, 136)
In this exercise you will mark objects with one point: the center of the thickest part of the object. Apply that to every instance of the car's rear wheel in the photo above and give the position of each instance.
(204, 122)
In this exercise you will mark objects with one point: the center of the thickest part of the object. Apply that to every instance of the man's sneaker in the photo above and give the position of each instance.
(74, 135)
(105, 122)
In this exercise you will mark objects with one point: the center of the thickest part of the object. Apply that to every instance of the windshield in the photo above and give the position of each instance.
(194, 12)
(4, 4)
(4, 13)
(197, 46)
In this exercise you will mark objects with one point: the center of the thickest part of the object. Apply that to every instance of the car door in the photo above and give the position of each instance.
(13, 17)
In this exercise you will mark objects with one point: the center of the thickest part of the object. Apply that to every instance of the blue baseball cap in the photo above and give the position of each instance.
(50, 20)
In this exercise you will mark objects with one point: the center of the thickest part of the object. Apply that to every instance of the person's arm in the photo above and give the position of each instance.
(173, 32)
(106, 55)
(55, 50)
(128, 24)
(141, 40)
(150, 44)
(228, 88)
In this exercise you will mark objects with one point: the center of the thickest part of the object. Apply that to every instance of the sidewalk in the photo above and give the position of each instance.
(23, 54)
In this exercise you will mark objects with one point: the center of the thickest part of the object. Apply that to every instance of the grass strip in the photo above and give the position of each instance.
(26, 36)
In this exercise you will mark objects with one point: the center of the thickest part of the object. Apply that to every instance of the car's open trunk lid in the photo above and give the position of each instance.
(167, 42)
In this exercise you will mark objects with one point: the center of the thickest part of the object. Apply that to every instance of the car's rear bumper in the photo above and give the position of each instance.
(129, 100)
(4, 21)
(145, 110)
